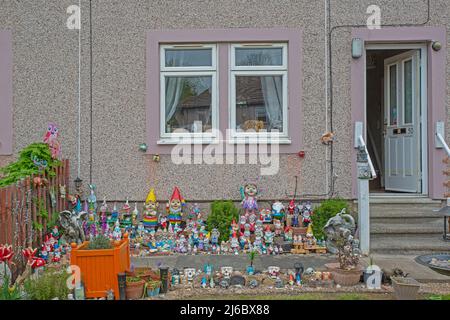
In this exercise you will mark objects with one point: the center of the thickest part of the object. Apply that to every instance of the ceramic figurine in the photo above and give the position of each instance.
(114, 215)
(278, 227)
(51, 138)
(62, 191)
(92, 199)
(175, 207)
(295, 217)
(306, 214)
(252, 218)
(234, 227)
(211, 282)
(268, 236)
(234, 244)
(135, 215)
(215, 235)
(291, 279)
(117, 233)
(55, 232)
(288, 234)
(273, 271)
(163, 222)
(277, 211)
(266, 215)
(204, 282)
(249, 194)
(149, 214)
(226, 272)
(126, 221)
(242, 222)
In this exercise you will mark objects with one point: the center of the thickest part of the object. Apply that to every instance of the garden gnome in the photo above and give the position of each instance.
(175, 207)
(268, 236)
(249, 194)
(291, 211)
(149, 215)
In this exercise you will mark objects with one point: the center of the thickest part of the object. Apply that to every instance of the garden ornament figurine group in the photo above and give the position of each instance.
(71, 224)
(340, 231)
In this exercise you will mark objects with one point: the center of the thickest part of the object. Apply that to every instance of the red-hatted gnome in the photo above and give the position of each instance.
(175, 208)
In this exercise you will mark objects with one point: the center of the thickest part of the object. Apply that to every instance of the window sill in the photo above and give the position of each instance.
(261, 140)
(187, 141)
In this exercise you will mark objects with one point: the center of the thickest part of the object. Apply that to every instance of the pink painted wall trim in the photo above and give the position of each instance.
(6, 96)
(436, 92)
(222, 37)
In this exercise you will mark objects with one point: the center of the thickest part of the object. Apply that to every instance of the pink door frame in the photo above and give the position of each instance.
(436, 91)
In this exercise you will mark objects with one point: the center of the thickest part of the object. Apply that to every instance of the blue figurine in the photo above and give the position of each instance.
(208, 268)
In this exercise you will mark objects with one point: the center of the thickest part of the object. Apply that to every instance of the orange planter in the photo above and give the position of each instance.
(99, 268)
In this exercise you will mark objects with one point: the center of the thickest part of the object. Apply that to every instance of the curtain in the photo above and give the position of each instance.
(174, 87)
(272, 88)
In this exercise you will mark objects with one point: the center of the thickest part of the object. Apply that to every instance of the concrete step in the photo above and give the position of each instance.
(402, 200)
(408, 243)
(407, 220)
(403, 213)
(407, 228)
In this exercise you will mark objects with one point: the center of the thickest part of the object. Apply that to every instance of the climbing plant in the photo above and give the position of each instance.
(25, 166)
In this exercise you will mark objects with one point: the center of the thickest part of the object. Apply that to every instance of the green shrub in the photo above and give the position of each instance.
(99, 242)
(222, 214)
(51, 284)
(322, 213)
(25, 167)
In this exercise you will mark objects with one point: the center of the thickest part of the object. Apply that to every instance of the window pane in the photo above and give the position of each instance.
(259, 103)
(188, 57)
(408, 91)
(188, 103)
(393, 94)
(259, 56)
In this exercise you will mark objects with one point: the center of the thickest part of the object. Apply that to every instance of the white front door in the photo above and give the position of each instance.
(402, 122)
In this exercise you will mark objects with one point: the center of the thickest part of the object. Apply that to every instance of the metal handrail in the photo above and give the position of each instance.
(362, 143)
(442, 140)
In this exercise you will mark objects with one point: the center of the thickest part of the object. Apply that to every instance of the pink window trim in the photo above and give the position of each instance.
(6, 97)
(436, 92)
(222, 37)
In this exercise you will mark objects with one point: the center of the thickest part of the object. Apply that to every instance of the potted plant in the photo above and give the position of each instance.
(100, 261)
(405, 288)
(134, 288)
(153, 288)
(250, 268)
(340, 231)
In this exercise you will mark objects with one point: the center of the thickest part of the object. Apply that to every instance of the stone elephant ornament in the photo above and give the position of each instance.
(340, 227)
(71, 224)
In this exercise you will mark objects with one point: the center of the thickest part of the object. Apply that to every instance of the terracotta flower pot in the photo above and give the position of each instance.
(405, 288)
(344, 277)
(135, 290)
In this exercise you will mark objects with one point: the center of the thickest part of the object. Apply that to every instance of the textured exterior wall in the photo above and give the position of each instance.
(45, 86)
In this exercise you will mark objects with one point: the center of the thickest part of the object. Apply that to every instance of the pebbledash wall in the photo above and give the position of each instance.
(45, 83)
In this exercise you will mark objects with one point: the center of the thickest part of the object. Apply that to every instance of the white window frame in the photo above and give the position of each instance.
(200, 137)
(244, 137)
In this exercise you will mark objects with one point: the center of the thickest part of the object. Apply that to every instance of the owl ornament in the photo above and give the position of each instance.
(51, 138)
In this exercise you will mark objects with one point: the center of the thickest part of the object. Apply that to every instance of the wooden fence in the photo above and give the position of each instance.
(24, 206)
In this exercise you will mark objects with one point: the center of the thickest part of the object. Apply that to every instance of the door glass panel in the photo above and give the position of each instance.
(393, 95)
(408, 91)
